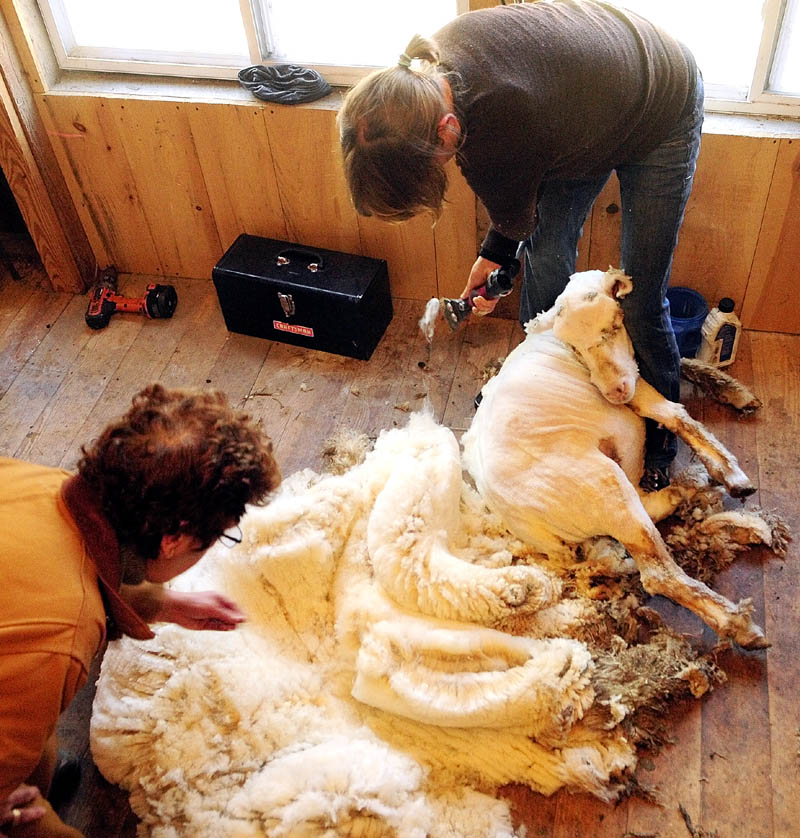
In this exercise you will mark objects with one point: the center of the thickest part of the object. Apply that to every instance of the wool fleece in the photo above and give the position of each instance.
(403, 658)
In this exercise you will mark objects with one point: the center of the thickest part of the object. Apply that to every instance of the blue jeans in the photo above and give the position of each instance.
(654, 190)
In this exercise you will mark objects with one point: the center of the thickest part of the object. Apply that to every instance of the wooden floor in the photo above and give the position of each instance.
(734, 767)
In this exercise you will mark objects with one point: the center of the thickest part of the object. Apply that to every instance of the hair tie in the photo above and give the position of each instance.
(404, 61)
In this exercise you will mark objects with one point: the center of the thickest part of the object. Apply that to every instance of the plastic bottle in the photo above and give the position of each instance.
(720, 335)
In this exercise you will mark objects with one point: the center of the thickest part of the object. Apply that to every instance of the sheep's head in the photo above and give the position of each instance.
(587, 316)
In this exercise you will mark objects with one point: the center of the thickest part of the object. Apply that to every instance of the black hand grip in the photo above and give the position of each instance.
(499, 283)
(313, 260)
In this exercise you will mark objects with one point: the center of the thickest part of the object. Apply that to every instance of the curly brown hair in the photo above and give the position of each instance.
(179, 461)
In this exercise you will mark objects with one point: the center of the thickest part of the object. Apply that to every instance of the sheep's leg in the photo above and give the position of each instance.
(661, 575)
(661, 504)
(591, 496)
(619, 513)
(721, 464)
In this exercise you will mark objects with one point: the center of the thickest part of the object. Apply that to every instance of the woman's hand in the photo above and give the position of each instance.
(477, 277)
(16, 809)
(204, 611)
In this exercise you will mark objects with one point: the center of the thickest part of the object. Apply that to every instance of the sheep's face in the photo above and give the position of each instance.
(588, 317)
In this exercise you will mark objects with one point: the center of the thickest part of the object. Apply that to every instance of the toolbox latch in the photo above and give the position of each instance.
(287, 304)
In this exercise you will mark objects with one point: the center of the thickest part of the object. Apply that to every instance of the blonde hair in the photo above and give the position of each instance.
(390, 143)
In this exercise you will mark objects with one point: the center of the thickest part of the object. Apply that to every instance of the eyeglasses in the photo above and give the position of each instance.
(232, 537)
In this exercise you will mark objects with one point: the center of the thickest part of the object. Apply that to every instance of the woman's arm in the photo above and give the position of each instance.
(200, 611)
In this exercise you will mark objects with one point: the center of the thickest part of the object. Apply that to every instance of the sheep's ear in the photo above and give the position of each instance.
(617, 283)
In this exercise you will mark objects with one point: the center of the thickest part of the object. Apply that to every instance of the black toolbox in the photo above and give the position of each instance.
(320, 299)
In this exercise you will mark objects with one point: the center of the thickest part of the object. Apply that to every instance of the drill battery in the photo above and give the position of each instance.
(158, 301)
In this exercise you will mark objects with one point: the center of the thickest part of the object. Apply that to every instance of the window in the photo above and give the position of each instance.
(217, 38)
(747, 50)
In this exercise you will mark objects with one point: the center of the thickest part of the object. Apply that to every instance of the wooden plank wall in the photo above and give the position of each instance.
(740, 231)
(164, 181)
(771, 302)
(164, 187)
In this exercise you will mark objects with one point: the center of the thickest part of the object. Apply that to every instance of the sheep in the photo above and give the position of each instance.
(556, 447)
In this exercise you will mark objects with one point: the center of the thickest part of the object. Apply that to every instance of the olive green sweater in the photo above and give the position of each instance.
(557, 90)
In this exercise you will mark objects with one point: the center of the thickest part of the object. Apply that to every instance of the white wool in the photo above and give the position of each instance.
(315, 785)
(455, 677)
(257, 732)
(427, 323)
(413, 534)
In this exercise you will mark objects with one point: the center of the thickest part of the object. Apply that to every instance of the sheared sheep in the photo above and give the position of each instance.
(556, 446)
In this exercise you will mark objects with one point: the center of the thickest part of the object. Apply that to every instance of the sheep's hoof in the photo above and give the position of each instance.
(752, 639)
(736, 482)
(742, 630)
(741, 491)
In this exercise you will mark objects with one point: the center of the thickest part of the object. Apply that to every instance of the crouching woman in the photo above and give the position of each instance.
(84, 556)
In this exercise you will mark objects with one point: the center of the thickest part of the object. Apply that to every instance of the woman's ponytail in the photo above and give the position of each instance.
(422, 48)
(388, 130)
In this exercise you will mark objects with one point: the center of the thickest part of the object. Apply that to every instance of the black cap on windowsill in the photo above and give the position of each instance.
(287, 84)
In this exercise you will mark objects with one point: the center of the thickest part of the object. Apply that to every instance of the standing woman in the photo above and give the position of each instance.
(539, 103)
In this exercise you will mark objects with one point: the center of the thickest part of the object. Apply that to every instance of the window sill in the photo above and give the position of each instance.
(168, 89)
(230, 92)
(752, 125)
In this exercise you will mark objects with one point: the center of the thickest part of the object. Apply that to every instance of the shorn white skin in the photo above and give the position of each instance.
(556, 446)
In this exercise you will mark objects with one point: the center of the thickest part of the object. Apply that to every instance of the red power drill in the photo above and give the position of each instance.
(157, 301)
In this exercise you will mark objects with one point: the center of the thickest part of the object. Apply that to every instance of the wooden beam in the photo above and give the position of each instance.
(32, 172)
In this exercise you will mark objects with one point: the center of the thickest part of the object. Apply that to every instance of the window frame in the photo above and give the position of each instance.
(755, 101)
(70, 57)
(758, 100)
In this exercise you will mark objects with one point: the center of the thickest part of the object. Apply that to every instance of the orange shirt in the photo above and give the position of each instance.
(52, 614)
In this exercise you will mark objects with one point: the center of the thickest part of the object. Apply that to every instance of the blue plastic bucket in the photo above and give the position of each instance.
(688, 309)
